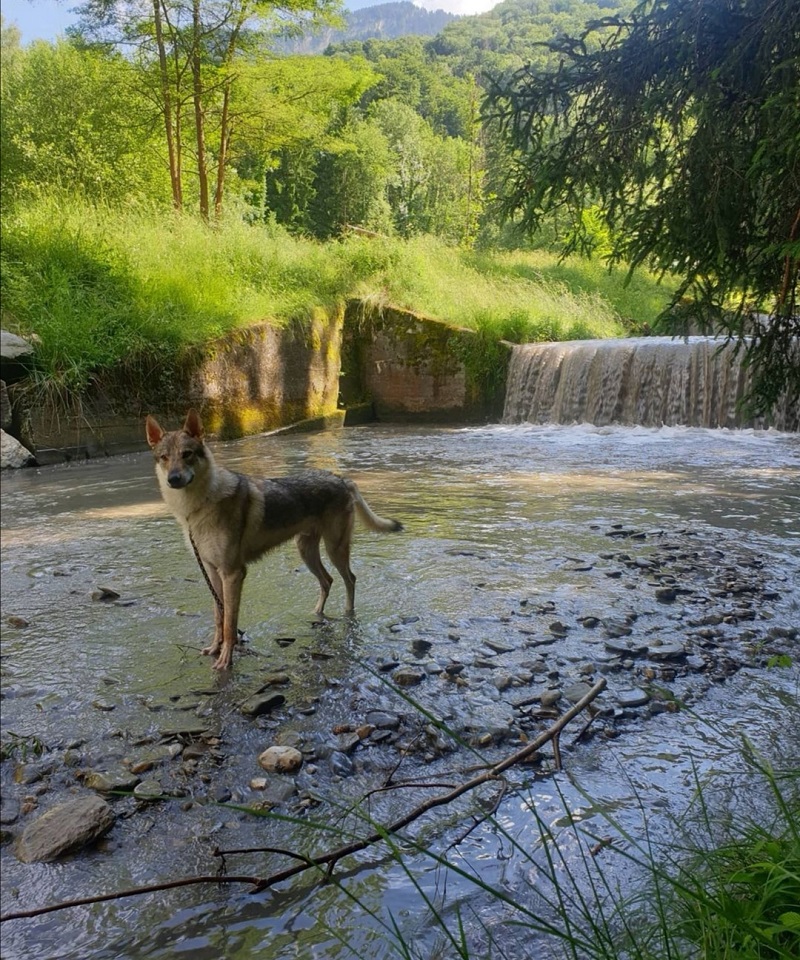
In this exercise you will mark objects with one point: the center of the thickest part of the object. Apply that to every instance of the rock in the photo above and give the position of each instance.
(9, 811)
(627, 648)
(13, 456)
(550, 698)
(632, 698)
(617, 628)
(111, 780)
(65, 828)
(667, 651)
(341, 764)
(15, 356)
(262, 703)
(149, 790)
(183, 725)
(383, 720)
(666, 594)
(558, 629)
(105, 594)
(281, 759)
(6, 415)
(577, 691)
(408, 676)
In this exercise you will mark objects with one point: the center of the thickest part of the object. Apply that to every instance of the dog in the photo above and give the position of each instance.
(230, 520)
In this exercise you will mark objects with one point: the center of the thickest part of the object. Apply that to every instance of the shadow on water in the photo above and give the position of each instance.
(508, 530)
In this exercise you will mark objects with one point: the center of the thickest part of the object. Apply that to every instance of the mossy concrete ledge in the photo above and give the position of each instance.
(253, 380)
(415, 368)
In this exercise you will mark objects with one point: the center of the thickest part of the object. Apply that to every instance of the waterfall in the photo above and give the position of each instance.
(651, 381)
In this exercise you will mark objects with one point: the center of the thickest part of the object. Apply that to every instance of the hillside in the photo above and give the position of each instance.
(386, 21)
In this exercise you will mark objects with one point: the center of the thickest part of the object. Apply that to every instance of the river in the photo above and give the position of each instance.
(529, 564)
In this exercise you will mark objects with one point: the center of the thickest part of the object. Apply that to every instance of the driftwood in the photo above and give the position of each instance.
(327, 861)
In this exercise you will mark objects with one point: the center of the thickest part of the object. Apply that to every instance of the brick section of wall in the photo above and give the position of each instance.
(413, 368)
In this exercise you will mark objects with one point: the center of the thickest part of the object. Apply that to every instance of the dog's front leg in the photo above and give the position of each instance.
(231, 598)
(215, 582)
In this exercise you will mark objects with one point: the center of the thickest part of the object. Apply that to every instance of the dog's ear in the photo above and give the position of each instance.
(193, 426)
(154, 431)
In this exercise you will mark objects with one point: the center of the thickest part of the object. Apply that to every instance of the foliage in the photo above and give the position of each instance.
(679, 121)
(98, 285)
(75, 119)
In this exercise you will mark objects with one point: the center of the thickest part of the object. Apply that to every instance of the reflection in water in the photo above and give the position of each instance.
(498, 519)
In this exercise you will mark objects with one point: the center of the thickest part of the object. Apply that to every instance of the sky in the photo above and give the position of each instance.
(46, 19)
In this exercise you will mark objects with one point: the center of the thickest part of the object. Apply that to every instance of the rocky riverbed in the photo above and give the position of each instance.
(495, 613)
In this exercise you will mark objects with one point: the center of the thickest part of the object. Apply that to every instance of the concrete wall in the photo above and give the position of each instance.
(390, 364)
(413, 368)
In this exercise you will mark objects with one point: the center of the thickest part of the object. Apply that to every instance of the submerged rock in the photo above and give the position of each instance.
(281, 759)
(65, 828)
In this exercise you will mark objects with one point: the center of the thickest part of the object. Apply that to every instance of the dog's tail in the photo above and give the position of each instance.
(367, 516)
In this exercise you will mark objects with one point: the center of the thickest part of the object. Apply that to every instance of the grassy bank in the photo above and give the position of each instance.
(96, 284)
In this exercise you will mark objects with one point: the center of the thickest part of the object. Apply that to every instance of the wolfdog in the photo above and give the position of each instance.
(230, 520)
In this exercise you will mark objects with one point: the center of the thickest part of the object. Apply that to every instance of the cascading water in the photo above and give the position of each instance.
(650, 381)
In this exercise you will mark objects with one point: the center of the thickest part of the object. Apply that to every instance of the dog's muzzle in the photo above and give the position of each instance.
(177, 479)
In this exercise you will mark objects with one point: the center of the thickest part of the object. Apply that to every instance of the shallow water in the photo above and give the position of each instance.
(499, 521)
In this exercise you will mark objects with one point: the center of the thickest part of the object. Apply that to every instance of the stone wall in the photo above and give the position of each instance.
(413, 368)
(253, 380)
(377, 362)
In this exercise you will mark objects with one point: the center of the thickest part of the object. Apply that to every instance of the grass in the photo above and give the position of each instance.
(97, 284)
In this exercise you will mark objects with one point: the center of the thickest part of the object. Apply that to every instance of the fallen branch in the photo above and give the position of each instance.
(327, 861)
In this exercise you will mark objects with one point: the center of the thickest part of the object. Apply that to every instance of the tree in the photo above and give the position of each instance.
(681, 121)
(74, 119)
(190, 54)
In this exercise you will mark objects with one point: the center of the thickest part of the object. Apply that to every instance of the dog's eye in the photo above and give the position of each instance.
(188, 455)
(163, 458)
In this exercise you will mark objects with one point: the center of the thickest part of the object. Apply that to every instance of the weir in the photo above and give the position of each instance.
(648, 381)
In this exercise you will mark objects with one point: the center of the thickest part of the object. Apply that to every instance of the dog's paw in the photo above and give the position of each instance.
(211, 650)
(223, 662)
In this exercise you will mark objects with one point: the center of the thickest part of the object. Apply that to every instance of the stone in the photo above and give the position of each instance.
(577, 691)
(383, 720)
(262, 703)
(149, 790)
(281, 759)
(13, 456)
(632, 698)
(408, 676)
(65, 828)
(667, 651)
(550, 698)
(111, 780)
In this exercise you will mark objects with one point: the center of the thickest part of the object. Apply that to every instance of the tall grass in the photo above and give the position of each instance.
(96, 284)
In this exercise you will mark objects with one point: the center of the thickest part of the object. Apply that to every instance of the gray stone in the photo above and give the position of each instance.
(577, 691)
(627, 648)
(632, 698)
(65, 828)
(180, 724)
(13, 456)
(667, 651)
(13, 347)
(111, 780)
(262, 703)
(149, 790)
(550, 697)
(383, 720)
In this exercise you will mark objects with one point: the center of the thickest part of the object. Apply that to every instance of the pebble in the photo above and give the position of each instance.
(281, 759)
(632, 698)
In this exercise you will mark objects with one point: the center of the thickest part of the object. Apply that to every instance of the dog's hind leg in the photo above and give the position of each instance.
(337, 545)
(308, 545)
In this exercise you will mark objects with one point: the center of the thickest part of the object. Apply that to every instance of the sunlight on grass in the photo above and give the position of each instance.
(98, 285)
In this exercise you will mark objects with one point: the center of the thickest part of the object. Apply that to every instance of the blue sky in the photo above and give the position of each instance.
(46, 19)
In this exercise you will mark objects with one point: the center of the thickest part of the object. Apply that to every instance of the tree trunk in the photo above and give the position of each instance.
(166, 100)
(199, 123)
